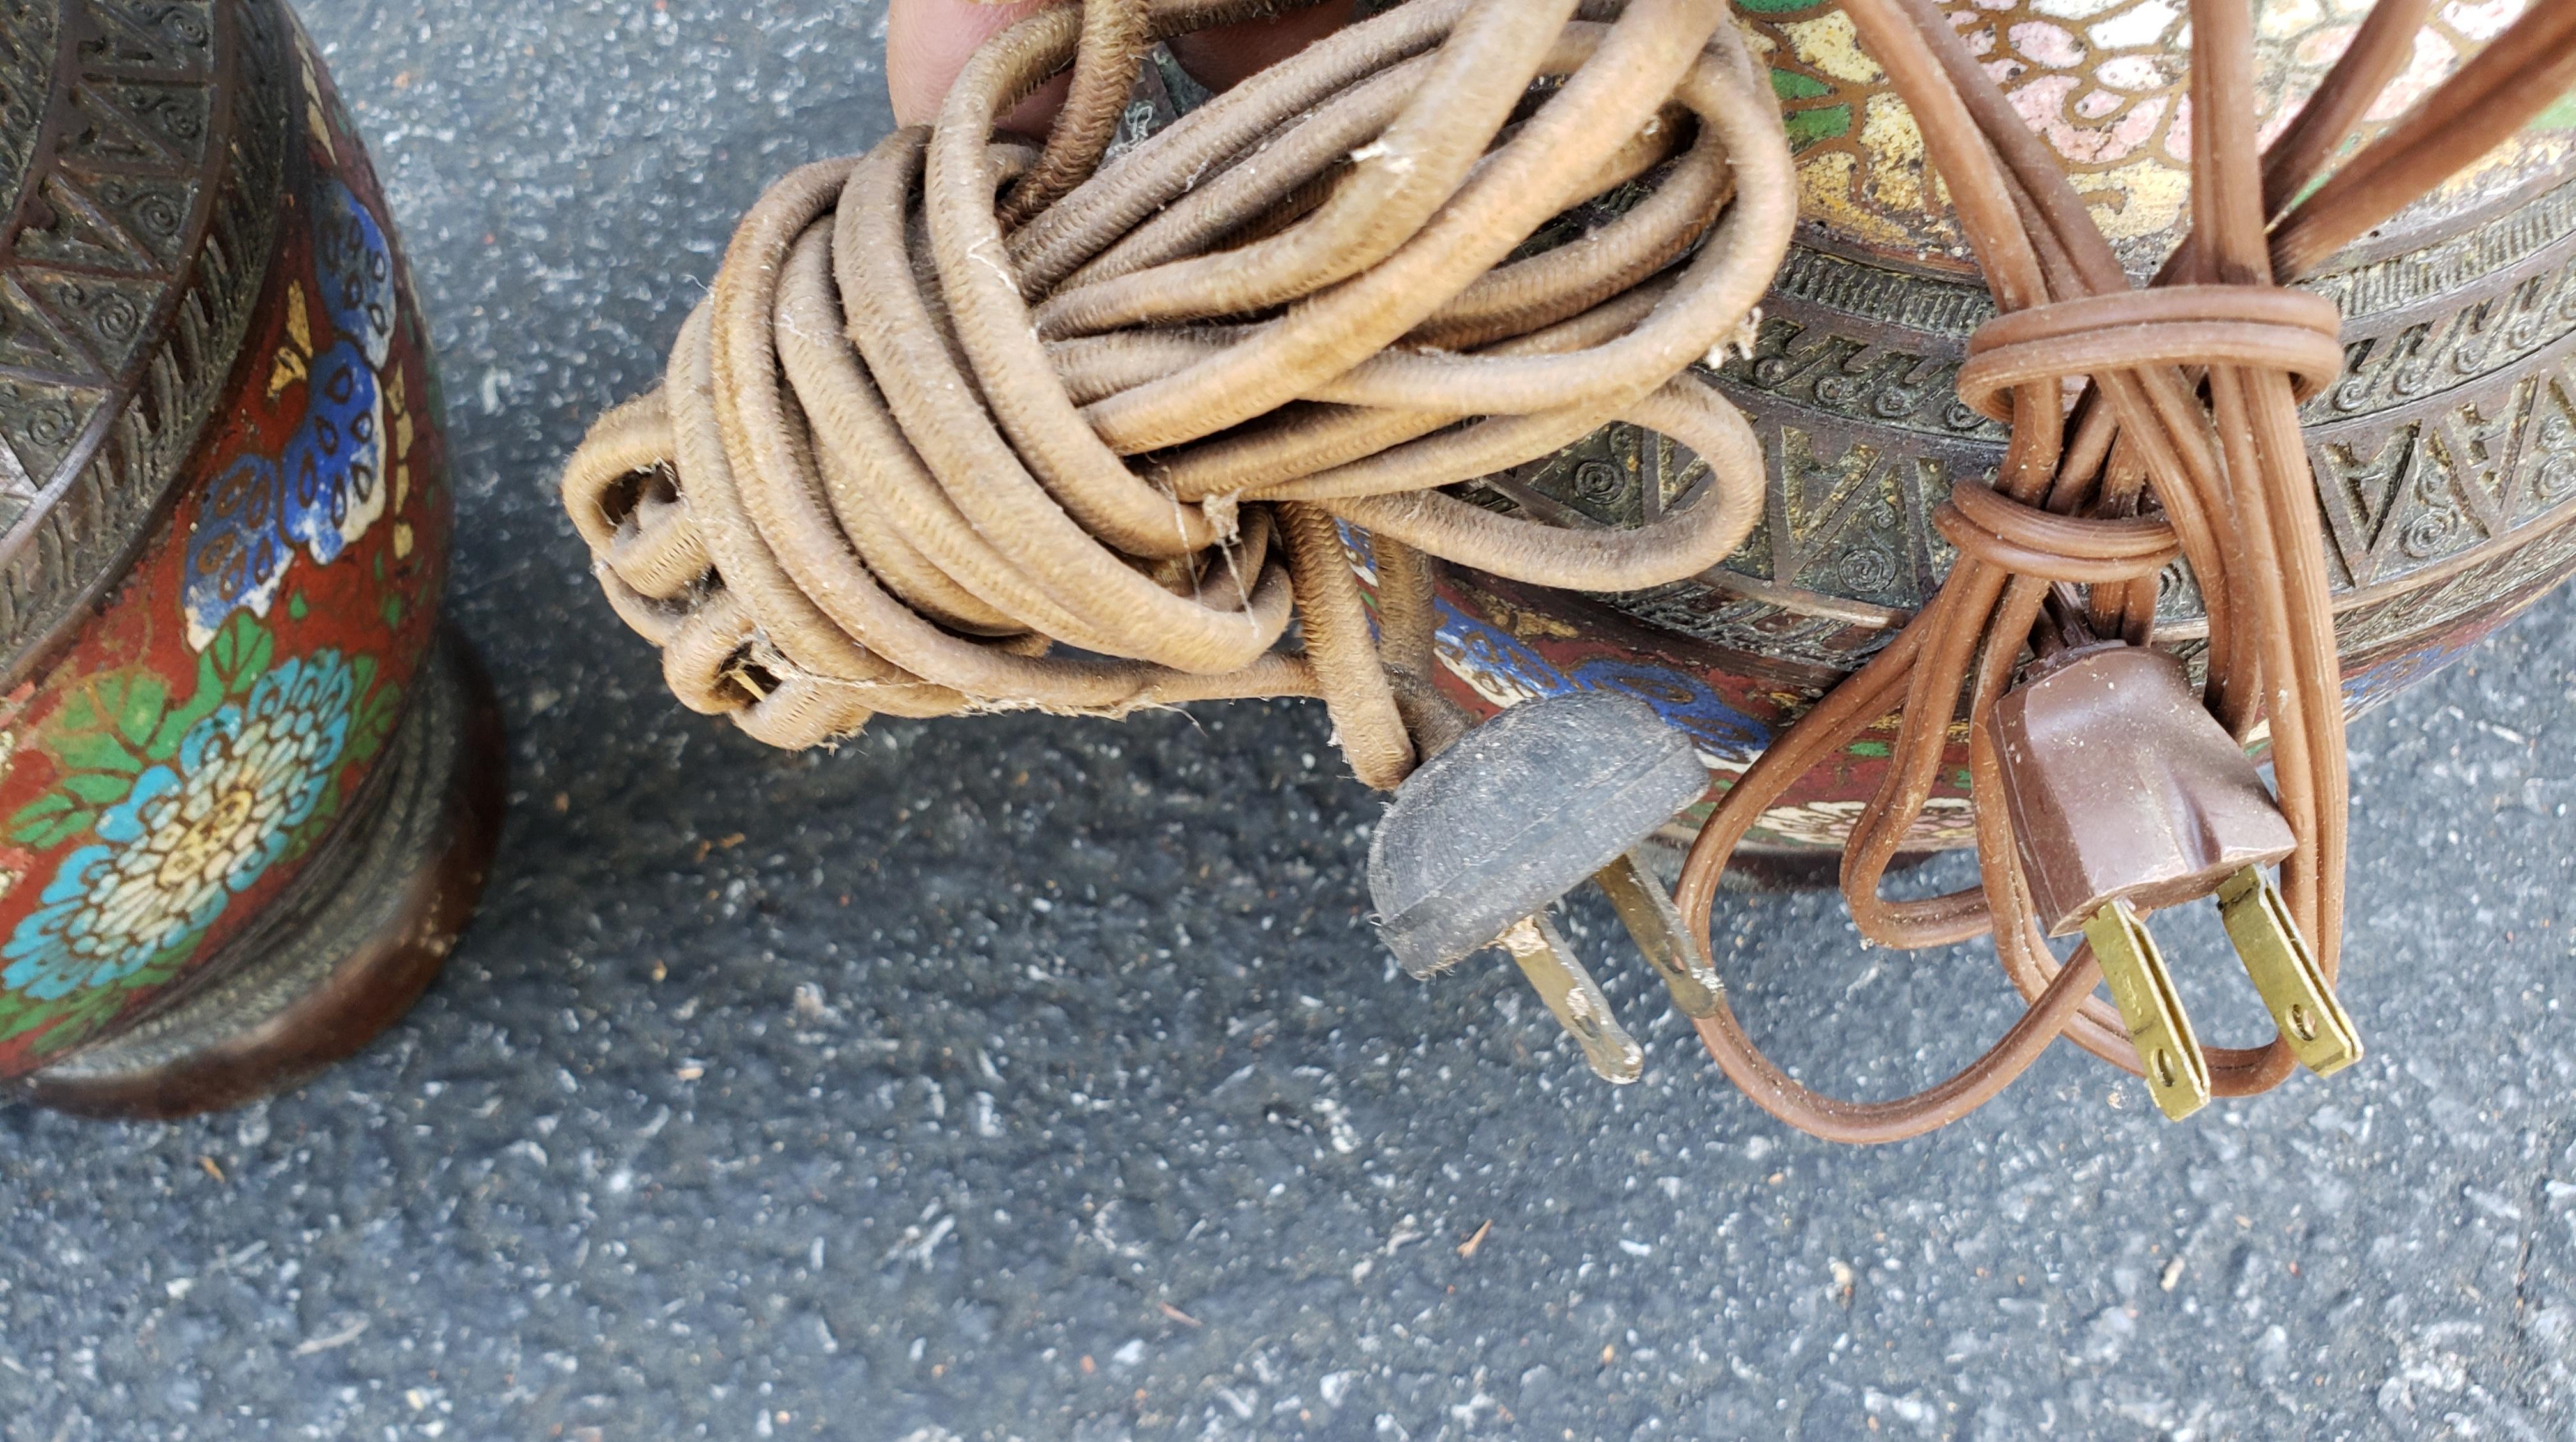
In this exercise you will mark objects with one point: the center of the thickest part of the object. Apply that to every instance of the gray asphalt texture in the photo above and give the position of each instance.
(1039, 1078)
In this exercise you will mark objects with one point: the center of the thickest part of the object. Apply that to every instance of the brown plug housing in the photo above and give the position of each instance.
(2122, 787)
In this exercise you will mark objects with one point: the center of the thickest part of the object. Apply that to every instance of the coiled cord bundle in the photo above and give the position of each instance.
(958, 400)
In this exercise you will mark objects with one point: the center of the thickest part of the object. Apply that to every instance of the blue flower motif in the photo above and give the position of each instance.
(357, 271)
(334, 464)
(237, 550)
(329, 485)
(191, 834)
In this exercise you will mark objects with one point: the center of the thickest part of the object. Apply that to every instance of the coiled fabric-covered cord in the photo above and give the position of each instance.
(957, 401)
(2191, 404)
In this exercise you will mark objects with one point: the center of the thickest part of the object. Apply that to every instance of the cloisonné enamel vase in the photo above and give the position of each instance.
(2445, 456)
(251, 786)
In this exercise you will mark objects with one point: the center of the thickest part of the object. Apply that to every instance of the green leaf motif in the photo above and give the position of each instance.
(174, 727)
(99, 741)
(311, 830)
(117, 706)
(139, 702)
(201, 704)
(240, 655)
(96, 788)
(97, 751)
(21, 1013)
(77, 1015)
(69, 1018)
(1790, 85)
(117, 724)
(373, 722)
(49, 821)
(1807, 127)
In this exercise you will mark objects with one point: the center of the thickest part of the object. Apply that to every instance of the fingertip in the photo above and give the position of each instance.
(928, 42)
(1220, 58)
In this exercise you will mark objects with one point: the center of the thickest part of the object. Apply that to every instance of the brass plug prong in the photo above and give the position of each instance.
(2285, 971)
(2177, 1073)
(1576, 999)
(1647, 910)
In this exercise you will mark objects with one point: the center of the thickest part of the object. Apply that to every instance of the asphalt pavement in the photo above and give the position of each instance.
(1035, 1078)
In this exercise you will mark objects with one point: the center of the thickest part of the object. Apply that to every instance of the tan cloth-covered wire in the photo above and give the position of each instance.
(955, 403)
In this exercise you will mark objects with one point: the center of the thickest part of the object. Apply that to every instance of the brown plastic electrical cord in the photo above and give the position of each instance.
(916, 437)
(2190, 399)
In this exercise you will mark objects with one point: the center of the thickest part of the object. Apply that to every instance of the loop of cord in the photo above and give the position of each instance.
(2189, 404)
(960, 402)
